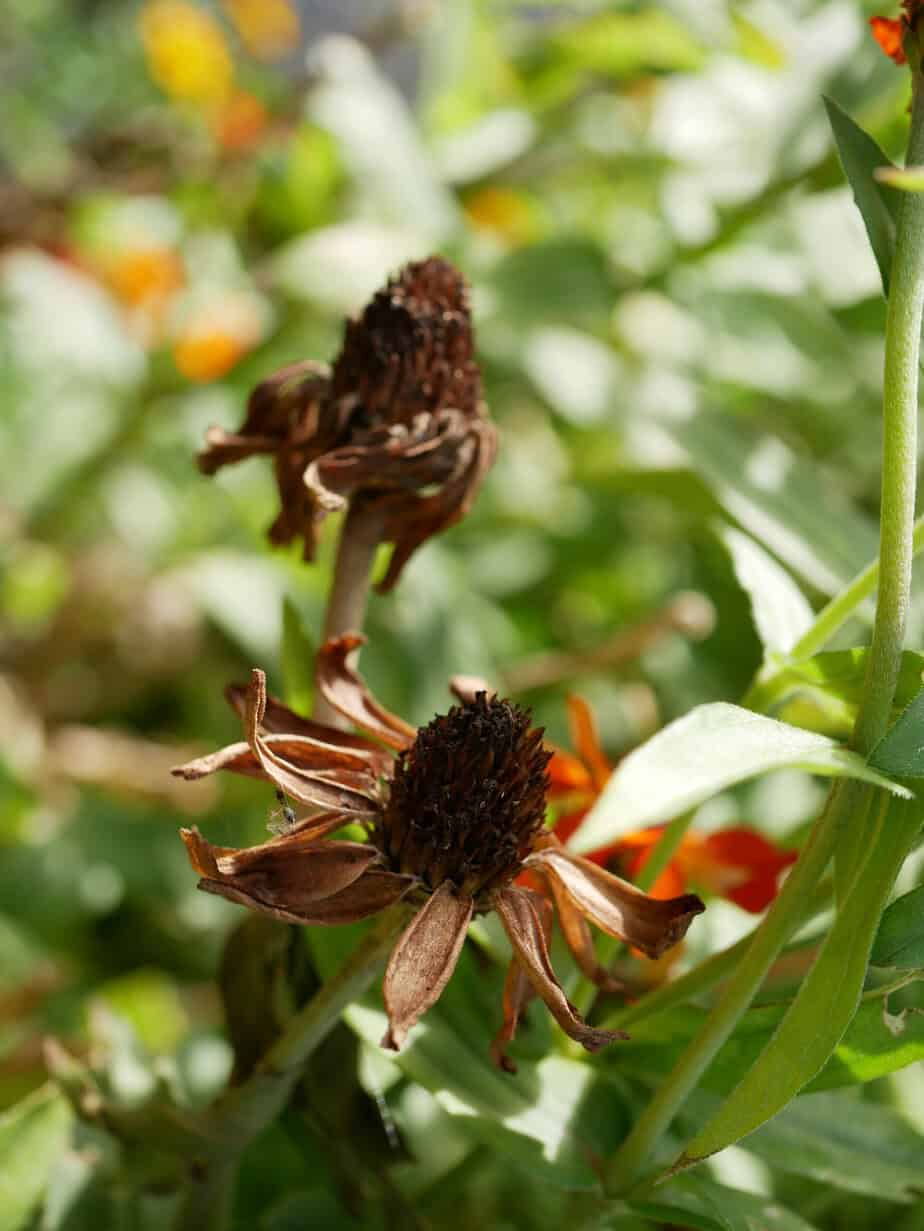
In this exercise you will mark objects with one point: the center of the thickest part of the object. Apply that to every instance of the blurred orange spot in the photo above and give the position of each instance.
(504, 212)
(240, 123)
(212, 341)
(207, 356)
(186, 51)
(268, 28)
(144, 276)
(887, 32)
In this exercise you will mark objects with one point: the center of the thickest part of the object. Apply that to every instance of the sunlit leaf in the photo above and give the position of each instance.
(32, 1135)
(827, 1000)
(781, 611)
(699, 755)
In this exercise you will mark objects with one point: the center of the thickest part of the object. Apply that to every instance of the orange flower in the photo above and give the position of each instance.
(890, 32)
(738, 864)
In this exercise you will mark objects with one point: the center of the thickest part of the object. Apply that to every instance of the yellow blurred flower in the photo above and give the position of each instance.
(268, 28)
(144, 276)
(186, 51)
(506, 214)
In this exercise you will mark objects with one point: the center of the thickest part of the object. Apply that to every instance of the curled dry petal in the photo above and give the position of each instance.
(523, 924)
(652, 925)
(423, 960)
(518, 992)
(373, 892)
(308, 788)
(291, 872)
(345, 690)
(579, 939)
(465, 688)
(299, 753)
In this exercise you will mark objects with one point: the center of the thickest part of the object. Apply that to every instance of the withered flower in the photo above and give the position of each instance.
(452, 819)
(397, 429)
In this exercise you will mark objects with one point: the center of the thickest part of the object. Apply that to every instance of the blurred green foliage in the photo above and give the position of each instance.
(679, 323)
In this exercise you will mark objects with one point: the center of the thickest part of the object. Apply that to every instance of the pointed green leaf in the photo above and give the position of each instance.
(901, 749)
(861, 159)
(781, 611)
(900, 940)
(699, 755)
(827, 1000)
(697, 1201)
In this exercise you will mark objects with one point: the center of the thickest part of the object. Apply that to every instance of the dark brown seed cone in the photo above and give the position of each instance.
(412, 349)
(468, 797)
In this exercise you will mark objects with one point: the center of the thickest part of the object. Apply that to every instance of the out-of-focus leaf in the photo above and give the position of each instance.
(781, 611)
(699, 755)
(553, 1116)
(297, 654)
(827, 1000)
(378, 140)
(900, 940)
(33, 1134)
(780, 499)
(696, 1201)
(847, 1142)
(861, 159)
(901, 749)
(620, 44)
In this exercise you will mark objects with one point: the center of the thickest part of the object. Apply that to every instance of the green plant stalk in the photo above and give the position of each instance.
(900, 388)
(244, 1111)
(899, 449)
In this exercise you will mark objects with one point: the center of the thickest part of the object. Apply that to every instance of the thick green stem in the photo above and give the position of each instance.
(244, 1111)
(899, 450)
(900, 391)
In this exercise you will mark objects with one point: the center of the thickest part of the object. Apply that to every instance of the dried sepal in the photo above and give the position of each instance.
(423, 960)
(346, 692)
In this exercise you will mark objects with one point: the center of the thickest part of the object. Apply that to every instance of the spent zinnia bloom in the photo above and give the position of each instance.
(397, 428)
(454, 814)
(738, 864)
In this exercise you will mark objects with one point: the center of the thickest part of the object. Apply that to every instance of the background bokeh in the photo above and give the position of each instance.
(680, 327)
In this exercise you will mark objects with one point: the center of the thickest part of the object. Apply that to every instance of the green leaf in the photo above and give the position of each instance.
(781, 611)
(870, 1048)
(33, 1134)
(699, 755)
(553, 1115)
(827, 1000)
(781, 499)
(878, 203)
(901, 749)
(848, 1142)
(297, 654)
(900, 940)
(695, 1201)
(824, 691)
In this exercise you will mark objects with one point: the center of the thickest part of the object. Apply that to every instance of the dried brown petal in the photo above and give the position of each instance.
(518, 992)
(522, 920)
(650, 924)
(308, 788)
(423, 960)
(373, 892)
(579, 939)
(290, 872)
(347, 693)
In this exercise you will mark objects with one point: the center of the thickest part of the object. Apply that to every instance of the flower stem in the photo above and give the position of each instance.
(899, 449)
(847, 802)
(244, 1111)
(360, 536)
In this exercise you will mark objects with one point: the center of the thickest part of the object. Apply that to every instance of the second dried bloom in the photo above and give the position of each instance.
(397, 428)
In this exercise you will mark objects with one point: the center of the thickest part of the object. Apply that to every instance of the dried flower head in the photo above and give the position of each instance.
(398, 428)
(452, 820)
